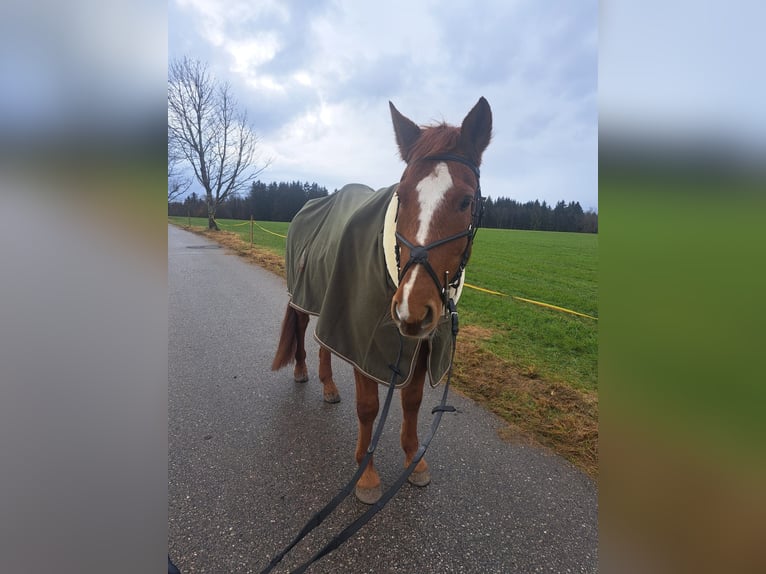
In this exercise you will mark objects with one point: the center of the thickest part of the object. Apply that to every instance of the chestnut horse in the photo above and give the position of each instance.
(426, 221)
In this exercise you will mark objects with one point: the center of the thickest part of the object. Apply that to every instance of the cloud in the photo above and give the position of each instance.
(317, 78)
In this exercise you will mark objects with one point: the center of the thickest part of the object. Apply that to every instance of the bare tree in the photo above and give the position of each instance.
(210, 133)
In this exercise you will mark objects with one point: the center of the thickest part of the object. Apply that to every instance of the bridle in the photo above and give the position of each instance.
(419, 253)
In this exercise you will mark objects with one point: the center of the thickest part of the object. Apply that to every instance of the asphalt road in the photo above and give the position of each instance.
(252, 455)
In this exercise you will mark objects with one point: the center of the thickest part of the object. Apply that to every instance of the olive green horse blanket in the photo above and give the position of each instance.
(341, 267)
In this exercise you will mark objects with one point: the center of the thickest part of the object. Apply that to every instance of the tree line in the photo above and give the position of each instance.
(280, 201)
(264, 202)
(504, 213)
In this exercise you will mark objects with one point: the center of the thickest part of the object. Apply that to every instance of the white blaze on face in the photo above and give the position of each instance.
(431, 192)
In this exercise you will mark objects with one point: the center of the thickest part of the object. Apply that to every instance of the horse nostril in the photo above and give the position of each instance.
(429, 315)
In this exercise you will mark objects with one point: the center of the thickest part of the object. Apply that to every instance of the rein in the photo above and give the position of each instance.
(352, 528)
(438, 410)
(319, 517)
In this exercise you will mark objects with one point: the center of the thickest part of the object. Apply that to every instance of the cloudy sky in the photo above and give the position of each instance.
(316, 76)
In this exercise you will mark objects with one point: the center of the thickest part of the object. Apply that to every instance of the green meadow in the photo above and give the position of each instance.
(554, 268)
(558, 269)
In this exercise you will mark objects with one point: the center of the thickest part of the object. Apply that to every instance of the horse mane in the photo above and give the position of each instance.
(439, 138)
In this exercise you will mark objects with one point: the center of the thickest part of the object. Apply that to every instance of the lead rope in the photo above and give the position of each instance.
(438, 410)
(320, 516)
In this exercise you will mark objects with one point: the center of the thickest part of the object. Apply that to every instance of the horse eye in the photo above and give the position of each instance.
(465, 203)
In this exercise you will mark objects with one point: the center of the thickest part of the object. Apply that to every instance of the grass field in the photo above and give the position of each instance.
(554, 268)
(534, 366)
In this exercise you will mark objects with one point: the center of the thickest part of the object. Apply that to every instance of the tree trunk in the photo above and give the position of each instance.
(211, 224)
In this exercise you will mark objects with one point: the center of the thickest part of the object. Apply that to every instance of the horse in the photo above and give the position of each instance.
(389, 320)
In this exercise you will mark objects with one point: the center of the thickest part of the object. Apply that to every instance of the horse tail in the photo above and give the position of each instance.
(288, 340)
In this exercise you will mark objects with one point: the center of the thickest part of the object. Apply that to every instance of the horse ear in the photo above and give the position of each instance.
(407, 132)
(476, 130)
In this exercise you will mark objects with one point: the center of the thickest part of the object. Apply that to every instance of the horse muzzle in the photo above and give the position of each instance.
(418, 324)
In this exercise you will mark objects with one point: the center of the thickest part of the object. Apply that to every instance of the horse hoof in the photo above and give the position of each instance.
(368, 495)
(422, 478)
(331, 398)
(301, 378)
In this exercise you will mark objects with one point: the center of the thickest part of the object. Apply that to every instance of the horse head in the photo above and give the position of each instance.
(439, 207)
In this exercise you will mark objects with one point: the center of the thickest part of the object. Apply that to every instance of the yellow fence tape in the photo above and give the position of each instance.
(556, 307)
(272, 232)
(229, 225)
(485, 290)
(532, 301)
(218, 223)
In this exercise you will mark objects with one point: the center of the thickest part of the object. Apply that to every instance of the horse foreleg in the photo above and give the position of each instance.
(368, 486)
(301, 372)
(329, 390)
(412, 396)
